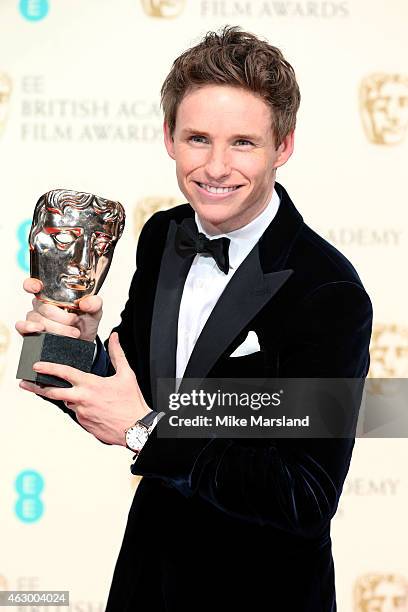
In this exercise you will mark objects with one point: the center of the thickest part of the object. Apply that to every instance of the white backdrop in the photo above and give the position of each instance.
(79, 109)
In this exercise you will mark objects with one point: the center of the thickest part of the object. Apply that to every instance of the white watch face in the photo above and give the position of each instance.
(136, 437)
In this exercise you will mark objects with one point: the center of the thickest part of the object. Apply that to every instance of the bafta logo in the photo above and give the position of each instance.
(166, 9)
(146, 207)
(4, 344)
(381, 593)
(384, 108)
(388, 358)
(5, 92)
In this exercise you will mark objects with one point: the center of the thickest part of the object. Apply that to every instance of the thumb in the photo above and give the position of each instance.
(91, 304)
(32, 285)
(118, 357)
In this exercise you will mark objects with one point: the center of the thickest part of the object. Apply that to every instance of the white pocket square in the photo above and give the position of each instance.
(250, 345)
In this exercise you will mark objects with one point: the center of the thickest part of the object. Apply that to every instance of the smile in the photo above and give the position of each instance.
(217, 190)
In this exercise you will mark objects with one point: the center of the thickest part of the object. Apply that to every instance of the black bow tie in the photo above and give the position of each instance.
(189, 241)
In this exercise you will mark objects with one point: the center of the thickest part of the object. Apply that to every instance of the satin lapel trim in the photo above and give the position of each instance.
(244, 296)
(170, 285)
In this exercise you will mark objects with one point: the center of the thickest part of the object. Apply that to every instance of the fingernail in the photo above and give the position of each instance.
(37, 366)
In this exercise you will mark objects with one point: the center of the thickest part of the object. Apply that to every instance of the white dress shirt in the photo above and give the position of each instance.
(205, 281)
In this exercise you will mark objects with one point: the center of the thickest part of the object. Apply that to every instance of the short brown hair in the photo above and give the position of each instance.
(240, 59)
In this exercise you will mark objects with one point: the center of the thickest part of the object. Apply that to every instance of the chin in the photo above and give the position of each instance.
(214, 210)
(212, 216)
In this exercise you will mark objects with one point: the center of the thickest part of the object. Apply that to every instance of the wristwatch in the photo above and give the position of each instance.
(136, 436)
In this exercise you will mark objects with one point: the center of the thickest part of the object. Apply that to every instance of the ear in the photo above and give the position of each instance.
(285, 149)
(168, 140)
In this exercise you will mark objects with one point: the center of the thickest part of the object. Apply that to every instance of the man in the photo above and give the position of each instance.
(223, 524)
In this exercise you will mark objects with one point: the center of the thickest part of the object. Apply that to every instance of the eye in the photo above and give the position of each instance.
(64, 239)
(198, 139)
(243, 142)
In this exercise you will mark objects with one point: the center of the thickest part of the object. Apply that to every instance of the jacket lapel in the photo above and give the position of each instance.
(163, 338)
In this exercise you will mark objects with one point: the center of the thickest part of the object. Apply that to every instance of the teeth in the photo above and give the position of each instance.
(211, 189)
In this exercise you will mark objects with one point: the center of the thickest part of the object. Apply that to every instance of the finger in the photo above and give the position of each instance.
(118, 357)
(56, 328)
(35, 317)
(72, 375)
(91, 304)
(55, 393)
(54, 313)
(28, 386)
(53, 327)
(29, 327)
(32, 285)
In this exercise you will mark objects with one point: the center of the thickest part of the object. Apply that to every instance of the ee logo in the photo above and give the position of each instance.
(34, 10)
(29, 506)
(23, 253)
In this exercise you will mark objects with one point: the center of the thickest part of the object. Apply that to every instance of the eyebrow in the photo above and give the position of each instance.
(243, 136)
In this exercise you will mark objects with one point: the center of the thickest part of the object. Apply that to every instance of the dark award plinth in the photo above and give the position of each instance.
(56, 349)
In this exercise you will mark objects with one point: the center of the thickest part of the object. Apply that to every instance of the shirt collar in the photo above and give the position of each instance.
(245, 238)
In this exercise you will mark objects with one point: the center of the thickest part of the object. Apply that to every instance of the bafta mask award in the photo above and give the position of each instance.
(72, 239)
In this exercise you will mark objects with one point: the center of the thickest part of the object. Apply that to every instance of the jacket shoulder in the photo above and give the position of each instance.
(323, 260)
(154, 231)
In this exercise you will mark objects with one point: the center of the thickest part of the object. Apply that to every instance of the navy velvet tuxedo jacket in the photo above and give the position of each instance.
(239, 524)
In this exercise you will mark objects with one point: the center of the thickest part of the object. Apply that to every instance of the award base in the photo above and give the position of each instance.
(56, 349)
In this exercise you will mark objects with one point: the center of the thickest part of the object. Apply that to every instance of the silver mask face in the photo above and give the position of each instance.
(72, 239)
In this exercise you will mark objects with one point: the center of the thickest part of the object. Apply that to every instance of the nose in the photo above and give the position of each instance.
(83, 253)
(218, 165)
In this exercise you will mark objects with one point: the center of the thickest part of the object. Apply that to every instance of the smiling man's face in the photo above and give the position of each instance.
(225, 155)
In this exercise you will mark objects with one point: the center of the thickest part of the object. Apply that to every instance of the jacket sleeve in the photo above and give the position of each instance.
(292, 484)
